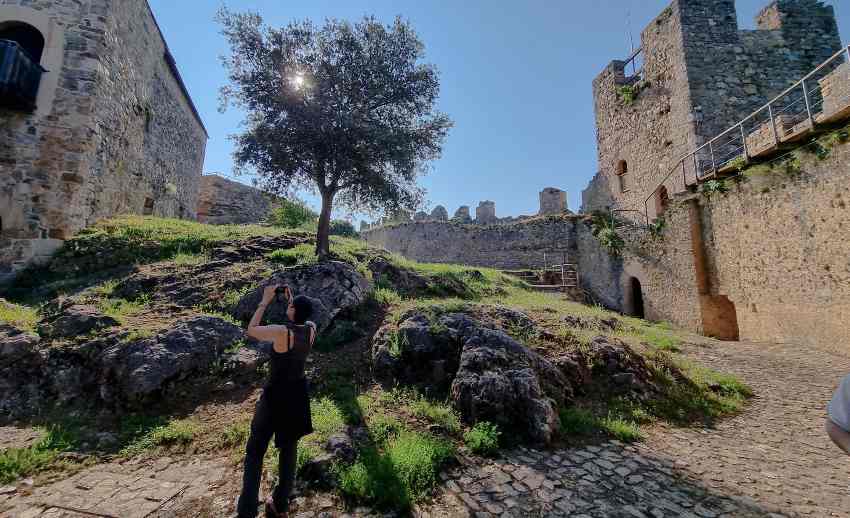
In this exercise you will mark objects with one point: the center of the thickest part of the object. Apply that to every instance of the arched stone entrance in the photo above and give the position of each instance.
(636, 291)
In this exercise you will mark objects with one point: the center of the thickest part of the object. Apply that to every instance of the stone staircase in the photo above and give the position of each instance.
(549, 280)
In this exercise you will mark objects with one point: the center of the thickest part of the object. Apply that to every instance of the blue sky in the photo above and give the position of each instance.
(516, 79)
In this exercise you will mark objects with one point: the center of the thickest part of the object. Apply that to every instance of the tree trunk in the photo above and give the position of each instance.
(323, 247)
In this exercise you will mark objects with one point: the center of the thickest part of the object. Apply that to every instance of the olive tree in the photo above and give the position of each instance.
(345, 110)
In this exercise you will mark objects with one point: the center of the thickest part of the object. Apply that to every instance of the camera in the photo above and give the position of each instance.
(281, 293)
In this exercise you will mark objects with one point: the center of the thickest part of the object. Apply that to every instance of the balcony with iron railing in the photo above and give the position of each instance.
(20, 76)
(812, 105)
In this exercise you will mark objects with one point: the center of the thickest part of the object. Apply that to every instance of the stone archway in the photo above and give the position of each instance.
(636, 296)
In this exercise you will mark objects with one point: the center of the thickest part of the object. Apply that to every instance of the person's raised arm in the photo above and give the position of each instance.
(255, 330)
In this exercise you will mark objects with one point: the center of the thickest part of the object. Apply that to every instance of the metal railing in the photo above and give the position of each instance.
(786, 118)
(20, 76)
(635, 59)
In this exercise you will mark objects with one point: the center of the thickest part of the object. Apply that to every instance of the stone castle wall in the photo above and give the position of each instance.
(700, 75)
(114, 130)
(225, 202)
(515, 246)
(775, 246)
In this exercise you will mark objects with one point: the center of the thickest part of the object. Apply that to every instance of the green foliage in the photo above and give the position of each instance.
(437, 413)
(657, 227)
(619, 428)
(235, 434)
(738, 164)
(21, 462)
(628, 94)
(660, 339)
(382, 427)
(119, 309)
(174, 433)
(483, 438)
(189, 259)
(577, 421)
(389, 132)
(403, 473)
(605, 231)
(385, 297)
(712, 187)
(296, 256)
(341, 227)
(328, 419)
(306, 452)
(21, 317)
(293, 214)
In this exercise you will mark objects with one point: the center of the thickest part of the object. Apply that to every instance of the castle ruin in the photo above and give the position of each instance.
(95, 121)
(763, 257)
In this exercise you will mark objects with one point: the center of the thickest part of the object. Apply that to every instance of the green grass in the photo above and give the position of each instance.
(16, 463)
(211, 310)
(437, 413)
(580, 422)
(174, 433)
(235, 435)
(402, 472)
(119, 309)
(189, 259)
(483, 438)
(296, 256)
(577, 421)
(21, 317)
(382, 427)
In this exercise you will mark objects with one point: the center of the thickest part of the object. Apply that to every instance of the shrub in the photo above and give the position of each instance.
(341, 227)
(483, 438)
(402, 474)
(174, 433)
(619, 428)
(712, 187)
(577, 421)
(292, 214)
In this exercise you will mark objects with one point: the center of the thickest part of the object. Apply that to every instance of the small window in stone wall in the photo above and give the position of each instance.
(622, 174)
(148, 210)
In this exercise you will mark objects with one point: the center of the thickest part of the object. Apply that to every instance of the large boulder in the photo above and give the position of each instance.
(142, 368)
(334, 286)
(402, 280)
(76, 320)
(489, 375)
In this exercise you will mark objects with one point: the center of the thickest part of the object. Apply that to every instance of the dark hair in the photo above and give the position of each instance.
(303, 309)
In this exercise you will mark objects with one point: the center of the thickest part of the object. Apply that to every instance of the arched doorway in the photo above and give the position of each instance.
(25, 35)
(637, 309)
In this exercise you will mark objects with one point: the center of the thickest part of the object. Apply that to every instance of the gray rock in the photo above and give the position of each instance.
(16, 345)
(76, 320)
(143, 368)
(334, 286)
(341, 446)
(489, 375)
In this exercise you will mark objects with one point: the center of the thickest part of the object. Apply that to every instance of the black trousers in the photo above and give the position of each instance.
(262, 431)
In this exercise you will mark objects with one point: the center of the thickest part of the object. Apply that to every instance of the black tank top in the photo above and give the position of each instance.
(289, 366)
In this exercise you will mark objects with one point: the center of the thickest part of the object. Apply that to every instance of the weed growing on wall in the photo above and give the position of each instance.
(605, 231)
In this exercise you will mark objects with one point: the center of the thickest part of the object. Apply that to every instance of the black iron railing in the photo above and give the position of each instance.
(20, 77)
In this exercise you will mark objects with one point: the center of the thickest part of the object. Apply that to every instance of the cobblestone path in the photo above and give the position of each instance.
(773, 460)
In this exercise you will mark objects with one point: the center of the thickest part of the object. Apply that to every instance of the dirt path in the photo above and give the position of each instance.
(772, 460)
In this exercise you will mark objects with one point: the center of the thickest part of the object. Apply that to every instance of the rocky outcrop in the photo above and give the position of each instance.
(132, 372)
(76, 320)
(113, 369)
(334, 286)
(488, 374)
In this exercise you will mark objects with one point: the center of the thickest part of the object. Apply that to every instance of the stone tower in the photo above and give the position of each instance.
(553, 201)
(700, 74)
(485, 213)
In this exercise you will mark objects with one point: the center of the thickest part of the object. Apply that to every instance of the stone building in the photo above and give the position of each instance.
(700, 74)
(96, 121)
(225, 202)
(553, 201)
(485, 213)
